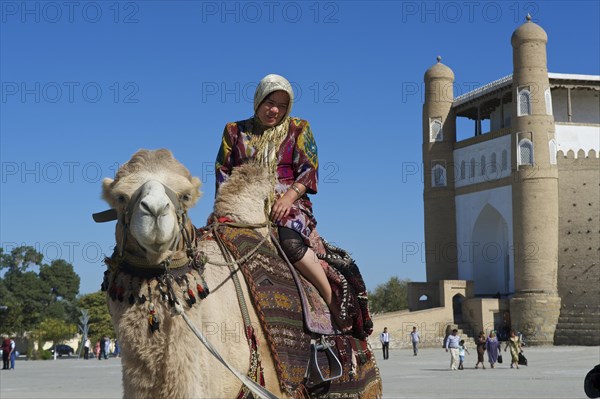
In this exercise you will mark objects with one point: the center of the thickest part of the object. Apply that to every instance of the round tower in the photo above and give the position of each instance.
(535, 306)
(439, 135)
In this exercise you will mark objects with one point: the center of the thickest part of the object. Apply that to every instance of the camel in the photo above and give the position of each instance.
(161, 356)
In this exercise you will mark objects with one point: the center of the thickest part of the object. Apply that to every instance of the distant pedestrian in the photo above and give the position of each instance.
(117, 351)
(461, 354)
(415, 338)
(514, 342)
(6, 353)
(86, 348)
(452, 343)
(106, 347)
(493, 348)
(102, 348)
(481, 343)
(13, 354)
(97, 349)
(385, 343)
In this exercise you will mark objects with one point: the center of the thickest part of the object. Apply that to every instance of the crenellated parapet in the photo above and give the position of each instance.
(580, 154)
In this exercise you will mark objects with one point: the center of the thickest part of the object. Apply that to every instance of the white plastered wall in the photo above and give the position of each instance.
(475, 152)
(468, 208)
(575, 138)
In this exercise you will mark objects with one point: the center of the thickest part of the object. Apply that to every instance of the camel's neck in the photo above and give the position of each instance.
(241, 209)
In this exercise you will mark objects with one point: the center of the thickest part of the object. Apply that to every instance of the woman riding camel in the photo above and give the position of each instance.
(286, 146)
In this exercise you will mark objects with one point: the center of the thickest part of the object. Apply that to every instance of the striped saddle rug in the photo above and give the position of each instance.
(276, 299)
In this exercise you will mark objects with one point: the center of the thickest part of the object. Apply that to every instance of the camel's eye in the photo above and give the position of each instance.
(186, 197)
(122, 198)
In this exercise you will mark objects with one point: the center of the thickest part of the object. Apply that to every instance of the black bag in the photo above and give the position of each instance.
(522, 359)
(499, 358)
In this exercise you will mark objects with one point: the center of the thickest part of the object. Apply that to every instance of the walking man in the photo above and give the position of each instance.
(385, 343)
(414, 338)
(452, 343)
(86, 348)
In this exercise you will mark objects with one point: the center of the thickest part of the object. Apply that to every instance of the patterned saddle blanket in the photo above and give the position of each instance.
(276, 298)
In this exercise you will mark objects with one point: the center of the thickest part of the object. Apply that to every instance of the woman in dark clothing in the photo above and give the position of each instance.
(5, 354)
(481, 342)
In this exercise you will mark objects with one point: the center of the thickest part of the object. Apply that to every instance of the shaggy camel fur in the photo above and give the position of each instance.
(171, 362)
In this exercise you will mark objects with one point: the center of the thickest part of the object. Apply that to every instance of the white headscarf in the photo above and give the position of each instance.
(268, 85)
(268, 142)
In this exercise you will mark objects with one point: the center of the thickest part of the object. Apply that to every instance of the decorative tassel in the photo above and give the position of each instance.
(154, 324)
(202, 289)
(191, 298)
(163, 294)
(153, 318)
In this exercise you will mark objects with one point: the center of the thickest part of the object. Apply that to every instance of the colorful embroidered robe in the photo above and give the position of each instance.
(297, 161)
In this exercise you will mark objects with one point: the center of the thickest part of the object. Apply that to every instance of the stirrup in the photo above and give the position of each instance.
(313, 375)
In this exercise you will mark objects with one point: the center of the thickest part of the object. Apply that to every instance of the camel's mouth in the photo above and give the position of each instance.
(159, 248)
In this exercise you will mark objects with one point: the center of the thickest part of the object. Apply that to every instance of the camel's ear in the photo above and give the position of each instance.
(197, 194)
(111, 214)
(106, 183)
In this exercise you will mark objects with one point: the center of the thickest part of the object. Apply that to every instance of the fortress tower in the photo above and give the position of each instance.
(497, 202)
(535, 307)
(439, 135)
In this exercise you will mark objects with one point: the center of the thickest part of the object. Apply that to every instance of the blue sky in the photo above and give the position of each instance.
(85, 84)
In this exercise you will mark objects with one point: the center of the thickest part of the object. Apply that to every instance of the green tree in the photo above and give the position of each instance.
(62, 279)
(55, 330)
(20, 258)
(389, 297)
(32, 296)
(63, 283)
(99, 322)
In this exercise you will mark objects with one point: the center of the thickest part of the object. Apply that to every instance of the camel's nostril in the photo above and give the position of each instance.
(146, 207)
(155, 208)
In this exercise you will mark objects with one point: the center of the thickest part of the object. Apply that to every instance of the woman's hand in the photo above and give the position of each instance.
(283, 205)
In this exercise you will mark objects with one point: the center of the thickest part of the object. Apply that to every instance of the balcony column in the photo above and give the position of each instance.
(569, 106)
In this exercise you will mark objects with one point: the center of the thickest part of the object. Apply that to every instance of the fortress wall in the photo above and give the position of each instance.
(430, 323)
(416, 290)
(579, 249)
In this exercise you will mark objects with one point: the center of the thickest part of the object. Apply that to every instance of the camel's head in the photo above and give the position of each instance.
(147, 193)
(242, 197)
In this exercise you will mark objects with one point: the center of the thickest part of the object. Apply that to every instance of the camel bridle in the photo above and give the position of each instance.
(132, 262)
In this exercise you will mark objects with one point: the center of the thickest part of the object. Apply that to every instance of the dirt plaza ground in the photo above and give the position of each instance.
(553, 373)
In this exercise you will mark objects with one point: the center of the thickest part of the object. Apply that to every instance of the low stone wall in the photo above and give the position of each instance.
(431, 324)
